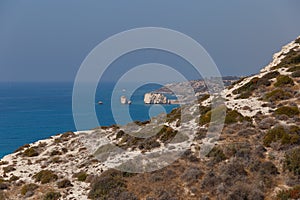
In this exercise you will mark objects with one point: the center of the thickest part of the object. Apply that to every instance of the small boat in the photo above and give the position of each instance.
(100, 102)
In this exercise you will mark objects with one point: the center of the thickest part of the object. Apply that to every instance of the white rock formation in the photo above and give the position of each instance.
(155, 98)
(124, 100)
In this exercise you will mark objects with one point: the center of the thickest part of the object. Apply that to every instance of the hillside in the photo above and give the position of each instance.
(256, 157)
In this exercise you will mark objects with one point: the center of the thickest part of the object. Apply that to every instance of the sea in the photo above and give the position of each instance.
(35, 111)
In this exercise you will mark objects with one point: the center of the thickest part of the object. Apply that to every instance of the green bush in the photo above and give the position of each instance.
(278, 94)
(287, 110)
(28, 187)
(292, 161)
(45, 176)
(296, 74)
(283, 80)
(30, 152)
(278, 133)
(81, 176)
(52, 196)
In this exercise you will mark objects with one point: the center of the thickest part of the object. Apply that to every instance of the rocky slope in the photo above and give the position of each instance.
(257, 156)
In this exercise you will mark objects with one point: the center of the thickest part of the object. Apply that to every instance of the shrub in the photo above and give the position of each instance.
(287, 110)
(4, 162)
(278, 94)
(45, 176)
(22, 148)
(31, 187)
(192, 174)
(271, 75)
(291, 58)
(8, 169)
(296, 74)
(109, 182)
(64, 183)
(81, 176)
(278, 133)
(283, 80)
(268, 168)
(120, 134)
(174, 115)
(166, 134)
(293, 69)
(293, 193)
(292, 161)
(203, 98)
(52, 196)
(218, 114)
(246, 90)
(217, 154)
(30, 152)
(55, 152)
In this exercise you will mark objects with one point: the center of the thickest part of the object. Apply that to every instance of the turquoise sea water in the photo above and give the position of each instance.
(34, 111)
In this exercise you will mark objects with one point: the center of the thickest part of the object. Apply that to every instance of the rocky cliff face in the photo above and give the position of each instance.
(256, 157)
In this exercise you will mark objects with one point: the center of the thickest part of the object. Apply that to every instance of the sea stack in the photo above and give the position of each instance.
(124, 100)
(155, 98)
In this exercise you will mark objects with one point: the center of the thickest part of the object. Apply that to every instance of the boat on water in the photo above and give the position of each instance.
(100, 102)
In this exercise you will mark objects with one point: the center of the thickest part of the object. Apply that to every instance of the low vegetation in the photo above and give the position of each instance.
(292, 161)
(29, 188)
(290, 111)
(81, 176)
(277, 95)
(292, 58)
(293, 193)
(282, 135)
(31, 152)
(247, 89)
(52, 196)
(283, 80)
(45, 176)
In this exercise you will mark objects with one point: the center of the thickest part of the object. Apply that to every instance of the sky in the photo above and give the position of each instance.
(48, 40)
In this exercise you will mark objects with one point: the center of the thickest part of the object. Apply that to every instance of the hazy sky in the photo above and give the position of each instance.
(48, 40)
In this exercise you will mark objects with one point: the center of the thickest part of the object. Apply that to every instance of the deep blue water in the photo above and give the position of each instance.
(34, 111)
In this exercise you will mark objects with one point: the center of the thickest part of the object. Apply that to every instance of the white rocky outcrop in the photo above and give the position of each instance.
(155, 98)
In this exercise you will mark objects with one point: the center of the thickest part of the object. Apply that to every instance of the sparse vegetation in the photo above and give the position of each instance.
(31, 187)
(279, 133)
(246, 90)
(9, 168)
(290, 111)
(292, 58)
(31, 152)
(64, 183)
(293, 193)
(81, 176)
(278, 94)
(296, 74)
(45, 176)
(283, 80)
(109, 184)
(52, 196)
(292, 161)
(217, 154)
